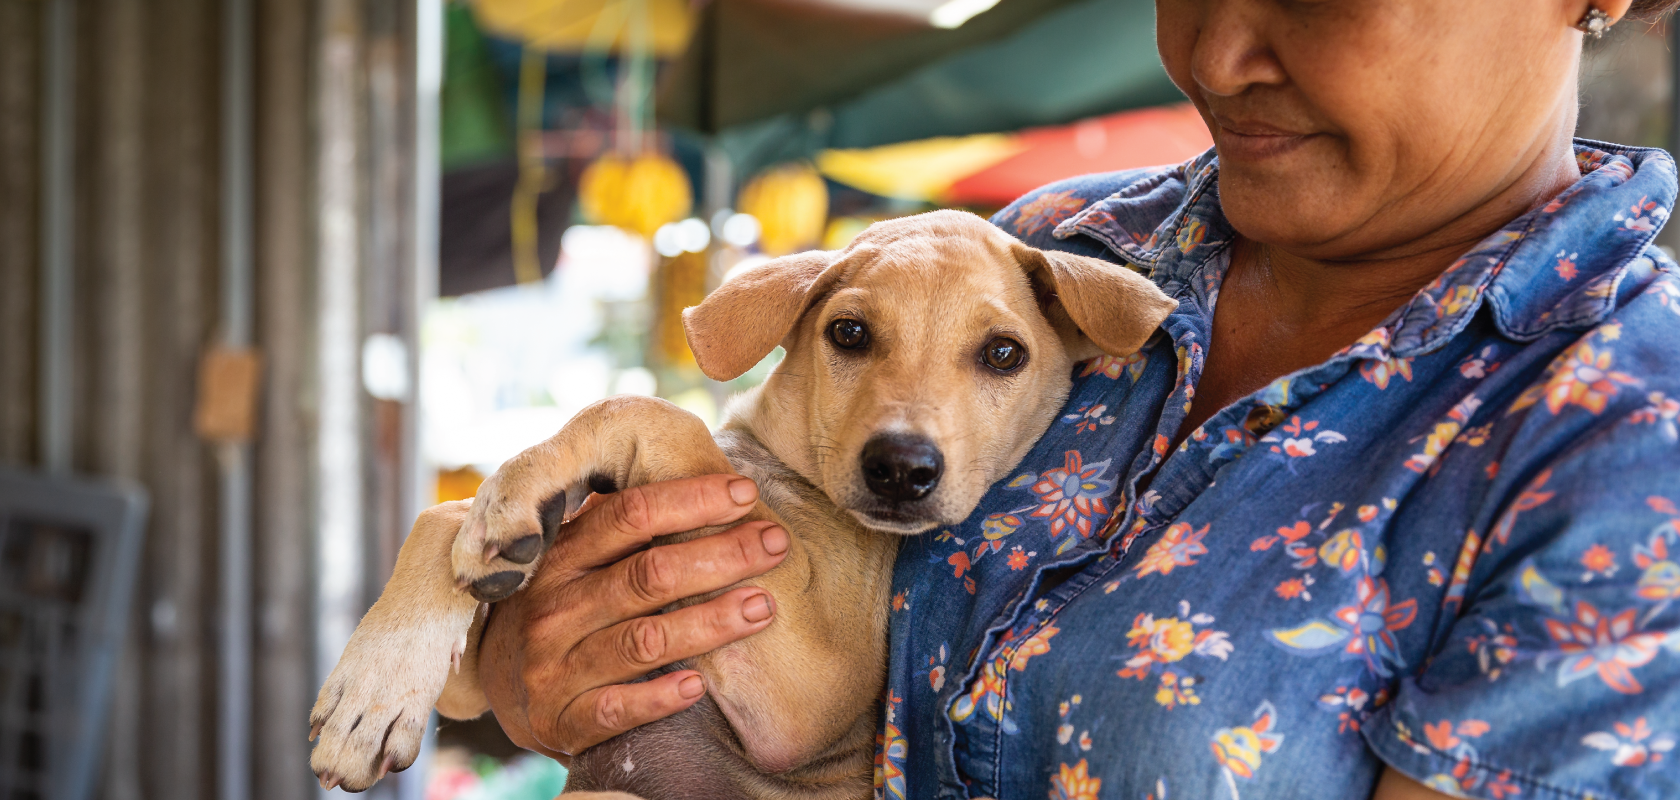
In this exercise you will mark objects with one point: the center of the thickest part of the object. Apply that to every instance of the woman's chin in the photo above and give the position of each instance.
(1300, 219)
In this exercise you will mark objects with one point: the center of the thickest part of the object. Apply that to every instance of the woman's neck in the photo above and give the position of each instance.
(1279, 311)
(1344, 298)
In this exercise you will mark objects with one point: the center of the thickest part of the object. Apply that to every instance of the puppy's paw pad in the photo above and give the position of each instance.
(523, 550)
(497, 544)
(493, 579)
(497, 586)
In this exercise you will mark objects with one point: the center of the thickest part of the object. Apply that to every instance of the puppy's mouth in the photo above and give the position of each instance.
(897, 521)
(899, 474)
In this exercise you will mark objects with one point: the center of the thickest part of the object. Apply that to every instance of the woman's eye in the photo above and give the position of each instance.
(848, 334)
(1003, 354)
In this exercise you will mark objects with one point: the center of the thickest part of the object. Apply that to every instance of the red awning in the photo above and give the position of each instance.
(1129, 139)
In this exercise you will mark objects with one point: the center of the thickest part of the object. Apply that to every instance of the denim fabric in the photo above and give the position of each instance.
(1451, 549)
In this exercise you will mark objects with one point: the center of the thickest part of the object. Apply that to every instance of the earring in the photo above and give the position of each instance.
(1595, 22)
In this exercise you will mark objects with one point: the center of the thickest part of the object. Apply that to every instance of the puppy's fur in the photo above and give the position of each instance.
(791, 711)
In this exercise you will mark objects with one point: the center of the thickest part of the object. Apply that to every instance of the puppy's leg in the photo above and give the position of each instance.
(462, 698)
(372, 711)
(616, 443)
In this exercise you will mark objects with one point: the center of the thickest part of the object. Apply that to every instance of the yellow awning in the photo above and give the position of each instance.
(919, 170)
(586, 25)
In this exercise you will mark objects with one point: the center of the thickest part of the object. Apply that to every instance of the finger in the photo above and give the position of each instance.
(626, 521)
(609, 711)
(654, 578)
(635, 647)
(590, 503)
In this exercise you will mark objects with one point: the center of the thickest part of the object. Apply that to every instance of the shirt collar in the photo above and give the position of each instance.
(1554, 267)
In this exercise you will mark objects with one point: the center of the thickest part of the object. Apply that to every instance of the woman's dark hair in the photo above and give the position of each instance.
(1651, 10)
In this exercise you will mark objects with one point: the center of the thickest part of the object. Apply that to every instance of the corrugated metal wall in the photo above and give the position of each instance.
(146, 280)
(19, 193)
(284, 658)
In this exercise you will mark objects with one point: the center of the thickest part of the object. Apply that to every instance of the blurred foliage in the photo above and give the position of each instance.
(473, 122)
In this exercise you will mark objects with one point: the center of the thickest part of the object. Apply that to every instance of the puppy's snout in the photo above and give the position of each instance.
(900, 468)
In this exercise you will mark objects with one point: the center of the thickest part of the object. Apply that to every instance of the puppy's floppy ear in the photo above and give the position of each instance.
(740, 322)
(1099, 307)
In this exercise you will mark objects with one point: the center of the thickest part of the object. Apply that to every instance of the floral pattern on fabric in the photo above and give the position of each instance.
(1631, 745)
(1240, 750)
(1070, 497)
(890, 753)
(1452, 549)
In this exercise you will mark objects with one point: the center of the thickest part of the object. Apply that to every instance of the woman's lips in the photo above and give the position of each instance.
(1257, 141)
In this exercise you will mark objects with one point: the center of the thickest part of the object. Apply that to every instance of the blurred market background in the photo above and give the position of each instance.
(277, 274)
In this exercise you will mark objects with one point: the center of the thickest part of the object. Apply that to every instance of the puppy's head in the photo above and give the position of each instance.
(922, 361)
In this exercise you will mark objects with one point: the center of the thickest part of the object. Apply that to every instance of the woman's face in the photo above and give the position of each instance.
(1351, 128)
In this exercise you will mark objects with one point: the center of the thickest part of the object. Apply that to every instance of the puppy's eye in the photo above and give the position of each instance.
(848, 334)
(1003, 354)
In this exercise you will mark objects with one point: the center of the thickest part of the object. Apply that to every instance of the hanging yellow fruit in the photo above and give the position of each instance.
(638, 194)
(791, 204)
(679, 283)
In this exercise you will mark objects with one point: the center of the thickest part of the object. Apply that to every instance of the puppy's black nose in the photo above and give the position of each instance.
(901, 467)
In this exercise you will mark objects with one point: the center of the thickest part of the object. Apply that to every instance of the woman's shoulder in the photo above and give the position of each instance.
(1616, 368)
(1645, 322)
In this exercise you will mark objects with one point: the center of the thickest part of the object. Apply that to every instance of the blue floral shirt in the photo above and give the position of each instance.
(1452, 549)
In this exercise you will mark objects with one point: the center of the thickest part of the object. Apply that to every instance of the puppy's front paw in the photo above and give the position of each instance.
(371, 714)
(499, 544)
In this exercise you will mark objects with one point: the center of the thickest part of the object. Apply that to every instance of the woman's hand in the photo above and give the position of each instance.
(555, 657)
(1395, 785)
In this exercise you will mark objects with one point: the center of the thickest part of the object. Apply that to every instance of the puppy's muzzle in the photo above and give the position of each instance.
(900, 467)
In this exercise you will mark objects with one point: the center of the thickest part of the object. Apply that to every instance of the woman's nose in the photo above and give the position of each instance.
(1232, 51)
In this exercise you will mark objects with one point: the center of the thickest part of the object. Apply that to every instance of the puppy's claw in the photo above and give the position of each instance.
(385, 766)
(553, 513)
(329, 781)
(315, 730)
(491, 550)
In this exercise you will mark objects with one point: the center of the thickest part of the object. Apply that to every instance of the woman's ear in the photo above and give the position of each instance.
(740, 322)
(1574, 10)
(1111, 306)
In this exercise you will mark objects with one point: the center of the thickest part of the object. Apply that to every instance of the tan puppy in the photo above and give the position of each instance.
(922, 363)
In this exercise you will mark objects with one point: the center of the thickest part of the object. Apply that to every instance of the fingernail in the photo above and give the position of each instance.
(775, 540)
(743, 491)
(757, 608)
(691, 687)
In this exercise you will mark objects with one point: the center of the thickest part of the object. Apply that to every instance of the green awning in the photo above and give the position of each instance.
(772, 82)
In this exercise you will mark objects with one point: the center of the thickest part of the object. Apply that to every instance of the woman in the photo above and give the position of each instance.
(1414, 534)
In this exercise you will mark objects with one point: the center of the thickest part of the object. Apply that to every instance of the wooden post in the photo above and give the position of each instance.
(180, 297)
(20, 27)
(339, 524)
(284, 659)
(115, 265)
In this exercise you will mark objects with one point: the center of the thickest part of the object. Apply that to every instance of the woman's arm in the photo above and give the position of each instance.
(1562, 653)
(1397, 786)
